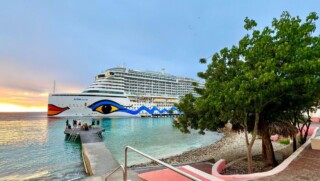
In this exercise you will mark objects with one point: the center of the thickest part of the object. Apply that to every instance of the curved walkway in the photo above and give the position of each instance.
(303, 164)
(300, 156)
(306, 166)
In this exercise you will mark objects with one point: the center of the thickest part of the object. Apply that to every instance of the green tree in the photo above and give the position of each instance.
(258, 81)
(297, 56)
(189, 117)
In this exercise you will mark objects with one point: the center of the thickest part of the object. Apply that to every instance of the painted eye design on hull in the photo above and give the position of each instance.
(106, 107)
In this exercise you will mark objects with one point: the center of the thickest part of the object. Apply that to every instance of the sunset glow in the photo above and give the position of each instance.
(25, 100)
(19, 100)
(17, 108)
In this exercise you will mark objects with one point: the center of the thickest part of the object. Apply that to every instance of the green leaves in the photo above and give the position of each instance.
(271, 71)
(312, 17)
(249, 24)
(203, 60)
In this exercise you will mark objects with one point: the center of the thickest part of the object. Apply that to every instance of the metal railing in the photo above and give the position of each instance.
(120, 166)
(73, 135)
(125, 168)
(125, 173)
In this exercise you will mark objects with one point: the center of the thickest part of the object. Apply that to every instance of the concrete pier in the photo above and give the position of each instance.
(98, 160)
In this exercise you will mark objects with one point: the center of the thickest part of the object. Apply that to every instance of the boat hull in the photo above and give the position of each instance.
(79, 105)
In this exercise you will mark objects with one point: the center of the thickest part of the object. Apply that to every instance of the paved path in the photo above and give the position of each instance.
(305, 167)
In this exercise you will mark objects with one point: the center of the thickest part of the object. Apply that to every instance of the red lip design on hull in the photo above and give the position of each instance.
(55, 110)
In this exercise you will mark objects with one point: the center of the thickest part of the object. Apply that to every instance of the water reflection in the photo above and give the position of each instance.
(154, 136)
(23, 132)
(29, 176)
(33, 147)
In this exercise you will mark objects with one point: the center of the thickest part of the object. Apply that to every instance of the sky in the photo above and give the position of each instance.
(71, 41)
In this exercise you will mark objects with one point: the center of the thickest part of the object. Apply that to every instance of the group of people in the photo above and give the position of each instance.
(83, 126)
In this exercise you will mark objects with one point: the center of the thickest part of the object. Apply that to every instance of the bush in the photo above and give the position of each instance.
(285, 141)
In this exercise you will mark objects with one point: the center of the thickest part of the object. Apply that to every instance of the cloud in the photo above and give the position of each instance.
(46, 41)
(22, 97)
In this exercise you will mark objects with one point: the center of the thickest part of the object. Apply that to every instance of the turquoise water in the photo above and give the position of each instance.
(34, 147)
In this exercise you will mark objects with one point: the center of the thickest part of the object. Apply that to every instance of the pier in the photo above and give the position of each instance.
(97, 159)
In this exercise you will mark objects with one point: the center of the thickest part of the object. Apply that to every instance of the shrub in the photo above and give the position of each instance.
(285, 141)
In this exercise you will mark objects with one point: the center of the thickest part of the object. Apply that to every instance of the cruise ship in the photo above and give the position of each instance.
(122, 92)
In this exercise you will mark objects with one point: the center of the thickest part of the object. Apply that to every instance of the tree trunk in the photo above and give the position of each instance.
(270, 158)
(269, 153)
(264, 153)
(294, 145)
(294, 138)
(302, 134)
(307, 125)
(249, 158)
(250, 143)
(306, 133)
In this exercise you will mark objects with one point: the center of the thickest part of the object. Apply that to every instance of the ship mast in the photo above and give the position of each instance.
(54, 86)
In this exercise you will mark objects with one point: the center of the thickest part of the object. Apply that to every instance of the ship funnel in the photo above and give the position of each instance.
(163, 70)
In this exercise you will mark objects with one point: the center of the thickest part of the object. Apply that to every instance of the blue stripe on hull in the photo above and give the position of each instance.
(120, 108)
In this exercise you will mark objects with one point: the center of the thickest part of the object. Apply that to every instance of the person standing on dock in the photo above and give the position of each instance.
(79, 123)
(74, 123)
(67, 124)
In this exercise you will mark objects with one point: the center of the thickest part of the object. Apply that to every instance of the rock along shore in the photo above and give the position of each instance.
(230, 147)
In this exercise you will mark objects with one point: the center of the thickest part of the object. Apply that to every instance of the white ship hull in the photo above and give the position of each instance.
(121, 92)
(98, 105)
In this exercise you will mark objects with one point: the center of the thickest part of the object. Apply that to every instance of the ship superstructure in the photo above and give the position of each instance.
(132, 93)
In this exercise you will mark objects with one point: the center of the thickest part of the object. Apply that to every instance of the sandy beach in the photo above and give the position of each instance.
(231, 147)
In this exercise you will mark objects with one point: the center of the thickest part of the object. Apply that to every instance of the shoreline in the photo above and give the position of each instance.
(230, 147)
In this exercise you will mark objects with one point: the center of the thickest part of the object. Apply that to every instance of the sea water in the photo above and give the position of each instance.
(34, 147)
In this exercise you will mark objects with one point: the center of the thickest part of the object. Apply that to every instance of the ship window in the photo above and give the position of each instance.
(85, 104)
(99, 91)
(101, 75)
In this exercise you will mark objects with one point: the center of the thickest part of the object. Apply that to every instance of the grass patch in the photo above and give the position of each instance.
(284, 141)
